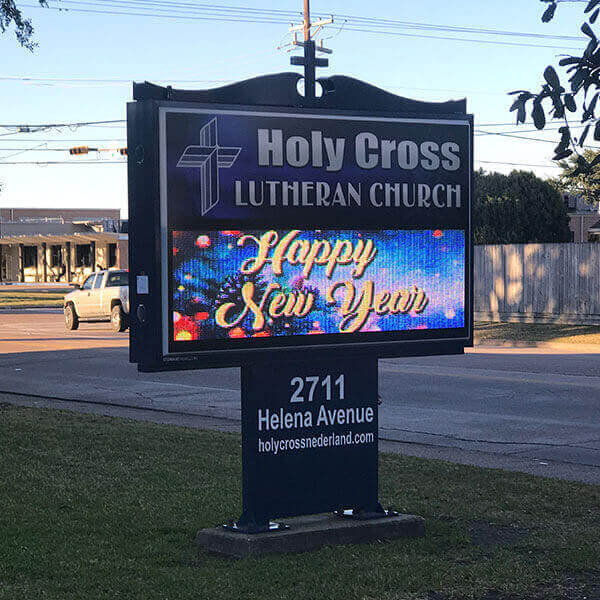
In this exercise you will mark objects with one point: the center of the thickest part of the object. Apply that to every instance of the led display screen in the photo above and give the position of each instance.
(235, 285)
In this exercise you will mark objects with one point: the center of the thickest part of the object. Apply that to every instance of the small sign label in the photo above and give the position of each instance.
(142, 284)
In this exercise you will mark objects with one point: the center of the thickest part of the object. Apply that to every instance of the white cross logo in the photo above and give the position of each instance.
(209, 157)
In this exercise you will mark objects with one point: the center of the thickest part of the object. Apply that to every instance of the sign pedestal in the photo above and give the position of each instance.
(309, 441)
(309, 446)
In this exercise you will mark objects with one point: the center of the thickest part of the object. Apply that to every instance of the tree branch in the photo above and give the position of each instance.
(11, 15)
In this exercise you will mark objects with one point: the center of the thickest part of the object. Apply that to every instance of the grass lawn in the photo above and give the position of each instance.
(41, 299)
(538, 332)
(95, 507)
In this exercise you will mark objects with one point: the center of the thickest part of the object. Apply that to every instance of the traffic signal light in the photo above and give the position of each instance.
(79, 150)
(123, 151)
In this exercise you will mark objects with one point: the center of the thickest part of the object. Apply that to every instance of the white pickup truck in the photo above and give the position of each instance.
(103, 296)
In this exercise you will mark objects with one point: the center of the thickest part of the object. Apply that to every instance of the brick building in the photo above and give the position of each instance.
(584, 219)
(60, 245)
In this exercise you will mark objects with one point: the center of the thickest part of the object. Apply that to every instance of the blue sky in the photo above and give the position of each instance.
(79, 45)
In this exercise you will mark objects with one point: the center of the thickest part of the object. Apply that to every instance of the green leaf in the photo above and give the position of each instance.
(585, 28)
(577, 80)
(588, 113)
(569, 60)
(591, 5)
(562, 155)
(590, 49)
(519, 106)
(584, 134)
(539, 117)
(551, 77)
(570, 104)
(559, 108)
(515, 105)
(549, 13)
(565, 139)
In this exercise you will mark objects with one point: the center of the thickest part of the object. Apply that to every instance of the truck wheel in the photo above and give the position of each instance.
(118, 319)
(71, 318)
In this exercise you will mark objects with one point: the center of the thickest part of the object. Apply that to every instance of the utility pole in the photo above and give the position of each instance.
(309, 60)
(307, 20)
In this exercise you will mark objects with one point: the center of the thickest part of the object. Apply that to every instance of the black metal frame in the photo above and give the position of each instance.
(275, 93)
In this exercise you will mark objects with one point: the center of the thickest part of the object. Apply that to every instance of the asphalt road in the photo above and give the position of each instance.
(531, 410)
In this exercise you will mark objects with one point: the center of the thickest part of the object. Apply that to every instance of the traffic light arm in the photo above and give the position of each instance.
(86, 150)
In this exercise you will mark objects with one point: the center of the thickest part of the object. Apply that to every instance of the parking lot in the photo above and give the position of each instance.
(533, 410)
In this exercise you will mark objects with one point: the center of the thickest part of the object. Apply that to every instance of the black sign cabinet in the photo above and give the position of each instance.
(301, 238)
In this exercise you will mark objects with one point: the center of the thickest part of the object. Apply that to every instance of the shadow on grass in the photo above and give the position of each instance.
(538, 332)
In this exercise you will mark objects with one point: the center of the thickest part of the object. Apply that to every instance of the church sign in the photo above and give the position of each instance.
(302, 239)
(287, 229)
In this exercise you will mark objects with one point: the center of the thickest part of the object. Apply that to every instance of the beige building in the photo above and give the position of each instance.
(60, 245)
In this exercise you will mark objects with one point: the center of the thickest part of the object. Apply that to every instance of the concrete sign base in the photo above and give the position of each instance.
(308, 533)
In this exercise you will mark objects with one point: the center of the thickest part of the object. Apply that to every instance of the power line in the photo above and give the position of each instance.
(514, 133)
(532, 139)
(58, 125)
(38, 149)
(495, 162)
(460, 39)
(65, 162)
(19, 151)
(56, 141)
(123, 162)
(269, 13)
(521, 137)
(520, 130)
(91, 80)
(169, 15)
(101, 123)
(73, 81)
(409, 24)
(264, 19)
(511, 124)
